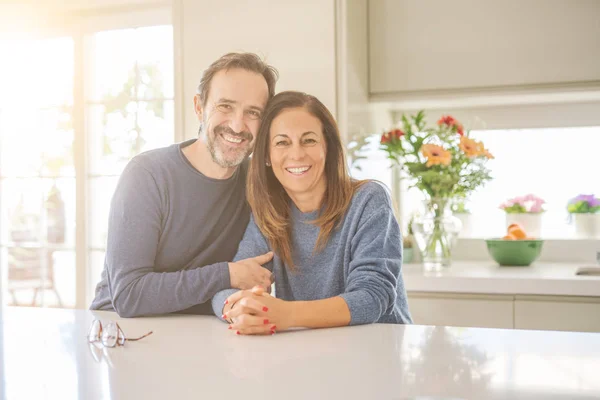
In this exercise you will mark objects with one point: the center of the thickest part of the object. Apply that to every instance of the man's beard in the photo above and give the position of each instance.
(231, 157)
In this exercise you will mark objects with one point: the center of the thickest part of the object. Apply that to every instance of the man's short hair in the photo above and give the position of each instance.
(247, 61)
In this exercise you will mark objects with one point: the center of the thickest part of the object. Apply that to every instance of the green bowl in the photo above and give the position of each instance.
(514, 252)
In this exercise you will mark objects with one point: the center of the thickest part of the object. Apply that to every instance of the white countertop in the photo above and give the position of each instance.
(44, 354)
(487, 277)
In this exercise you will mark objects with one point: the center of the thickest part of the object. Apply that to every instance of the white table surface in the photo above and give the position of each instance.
(45, 355)
(553, 279)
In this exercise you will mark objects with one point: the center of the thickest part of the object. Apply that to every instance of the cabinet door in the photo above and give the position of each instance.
(465, 310)
(416, 47)
(558, 313)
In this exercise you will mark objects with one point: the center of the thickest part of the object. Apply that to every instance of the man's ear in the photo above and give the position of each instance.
(198, 107)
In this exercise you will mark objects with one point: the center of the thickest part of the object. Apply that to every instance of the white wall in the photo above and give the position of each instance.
(354, 117)
(296, 37)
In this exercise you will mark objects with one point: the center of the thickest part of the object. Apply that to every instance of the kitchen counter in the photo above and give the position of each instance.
(552, 279)
(44, 354)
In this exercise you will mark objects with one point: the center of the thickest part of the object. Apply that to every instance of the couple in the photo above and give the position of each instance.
(331, 244)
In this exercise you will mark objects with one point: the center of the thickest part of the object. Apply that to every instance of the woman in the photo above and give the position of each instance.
(337, 244)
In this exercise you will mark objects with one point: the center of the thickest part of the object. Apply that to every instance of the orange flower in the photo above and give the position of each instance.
(470, 146)
(483, 151)
(436, 155)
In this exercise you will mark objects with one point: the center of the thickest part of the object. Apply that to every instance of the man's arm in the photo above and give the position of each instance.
(133, 233)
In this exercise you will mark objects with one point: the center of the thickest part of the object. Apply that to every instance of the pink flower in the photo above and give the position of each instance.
(528, 203)
(535, 208)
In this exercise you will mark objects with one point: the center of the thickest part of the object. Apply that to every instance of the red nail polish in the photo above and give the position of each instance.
(273, 327)
(226, 302)
(229, 327)
(237, 332)
(224, 316)
(266, 321)
(265, 309)
(272, 332)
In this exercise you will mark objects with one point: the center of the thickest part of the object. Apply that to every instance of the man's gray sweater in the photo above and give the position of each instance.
(171, 232)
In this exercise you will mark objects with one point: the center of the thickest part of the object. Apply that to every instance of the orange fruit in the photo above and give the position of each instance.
(517, 232)
(509, 237)
(513, 225)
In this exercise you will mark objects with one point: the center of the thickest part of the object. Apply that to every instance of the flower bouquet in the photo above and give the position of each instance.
(443, 162)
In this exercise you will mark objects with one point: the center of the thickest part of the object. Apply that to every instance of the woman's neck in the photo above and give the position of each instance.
(308, 201)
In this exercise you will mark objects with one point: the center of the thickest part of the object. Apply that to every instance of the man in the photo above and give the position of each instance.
(179, 213)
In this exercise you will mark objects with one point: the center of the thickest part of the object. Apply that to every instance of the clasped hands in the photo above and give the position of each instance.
(255, 312)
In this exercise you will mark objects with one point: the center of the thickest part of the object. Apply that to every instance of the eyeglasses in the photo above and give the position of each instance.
(110, 334)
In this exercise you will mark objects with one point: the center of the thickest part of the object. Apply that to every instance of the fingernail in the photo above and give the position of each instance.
(272, 332)
(229, 327)
(226, 302)
(265, 309)
(273, 327)
(266, 321)
(237, 332)
(224, 316)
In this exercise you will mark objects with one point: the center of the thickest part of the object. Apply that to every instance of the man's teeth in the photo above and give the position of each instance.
(232, 139)
(298, 170)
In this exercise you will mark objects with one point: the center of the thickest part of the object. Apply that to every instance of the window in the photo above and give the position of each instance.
(555, 164)
(37, 175)
(128, 109)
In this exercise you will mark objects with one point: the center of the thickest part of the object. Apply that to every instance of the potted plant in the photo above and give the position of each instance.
(585, 211)
(443, 162)
(460, 210)
(526, 211)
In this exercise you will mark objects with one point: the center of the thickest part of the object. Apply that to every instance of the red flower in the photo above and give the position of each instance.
(386, 137)
(395, 134)
(447, 120)
(451, 122)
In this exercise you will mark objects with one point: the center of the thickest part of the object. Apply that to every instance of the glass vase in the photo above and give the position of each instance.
(435, 230)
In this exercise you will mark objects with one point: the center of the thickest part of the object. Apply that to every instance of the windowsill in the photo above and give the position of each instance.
(553, 251)
(487, 277)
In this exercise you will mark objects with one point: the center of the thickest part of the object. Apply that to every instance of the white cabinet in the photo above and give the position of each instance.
(465, 310)
(418, 46)
(558, 313)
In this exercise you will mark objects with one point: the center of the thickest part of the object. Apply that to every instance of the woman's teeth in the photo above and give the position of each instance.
(297, 171)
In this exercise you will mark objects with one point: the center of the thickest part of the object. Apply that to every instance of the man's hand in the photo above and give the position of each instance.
(245, 274)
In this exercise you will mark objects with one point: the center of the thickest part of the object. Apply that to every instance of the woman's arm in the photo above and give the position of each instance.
(252, 249)
(256, 312)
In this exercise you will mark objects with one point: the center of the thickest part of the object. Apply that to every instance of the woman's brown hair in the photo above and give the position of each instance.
(268, 199)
